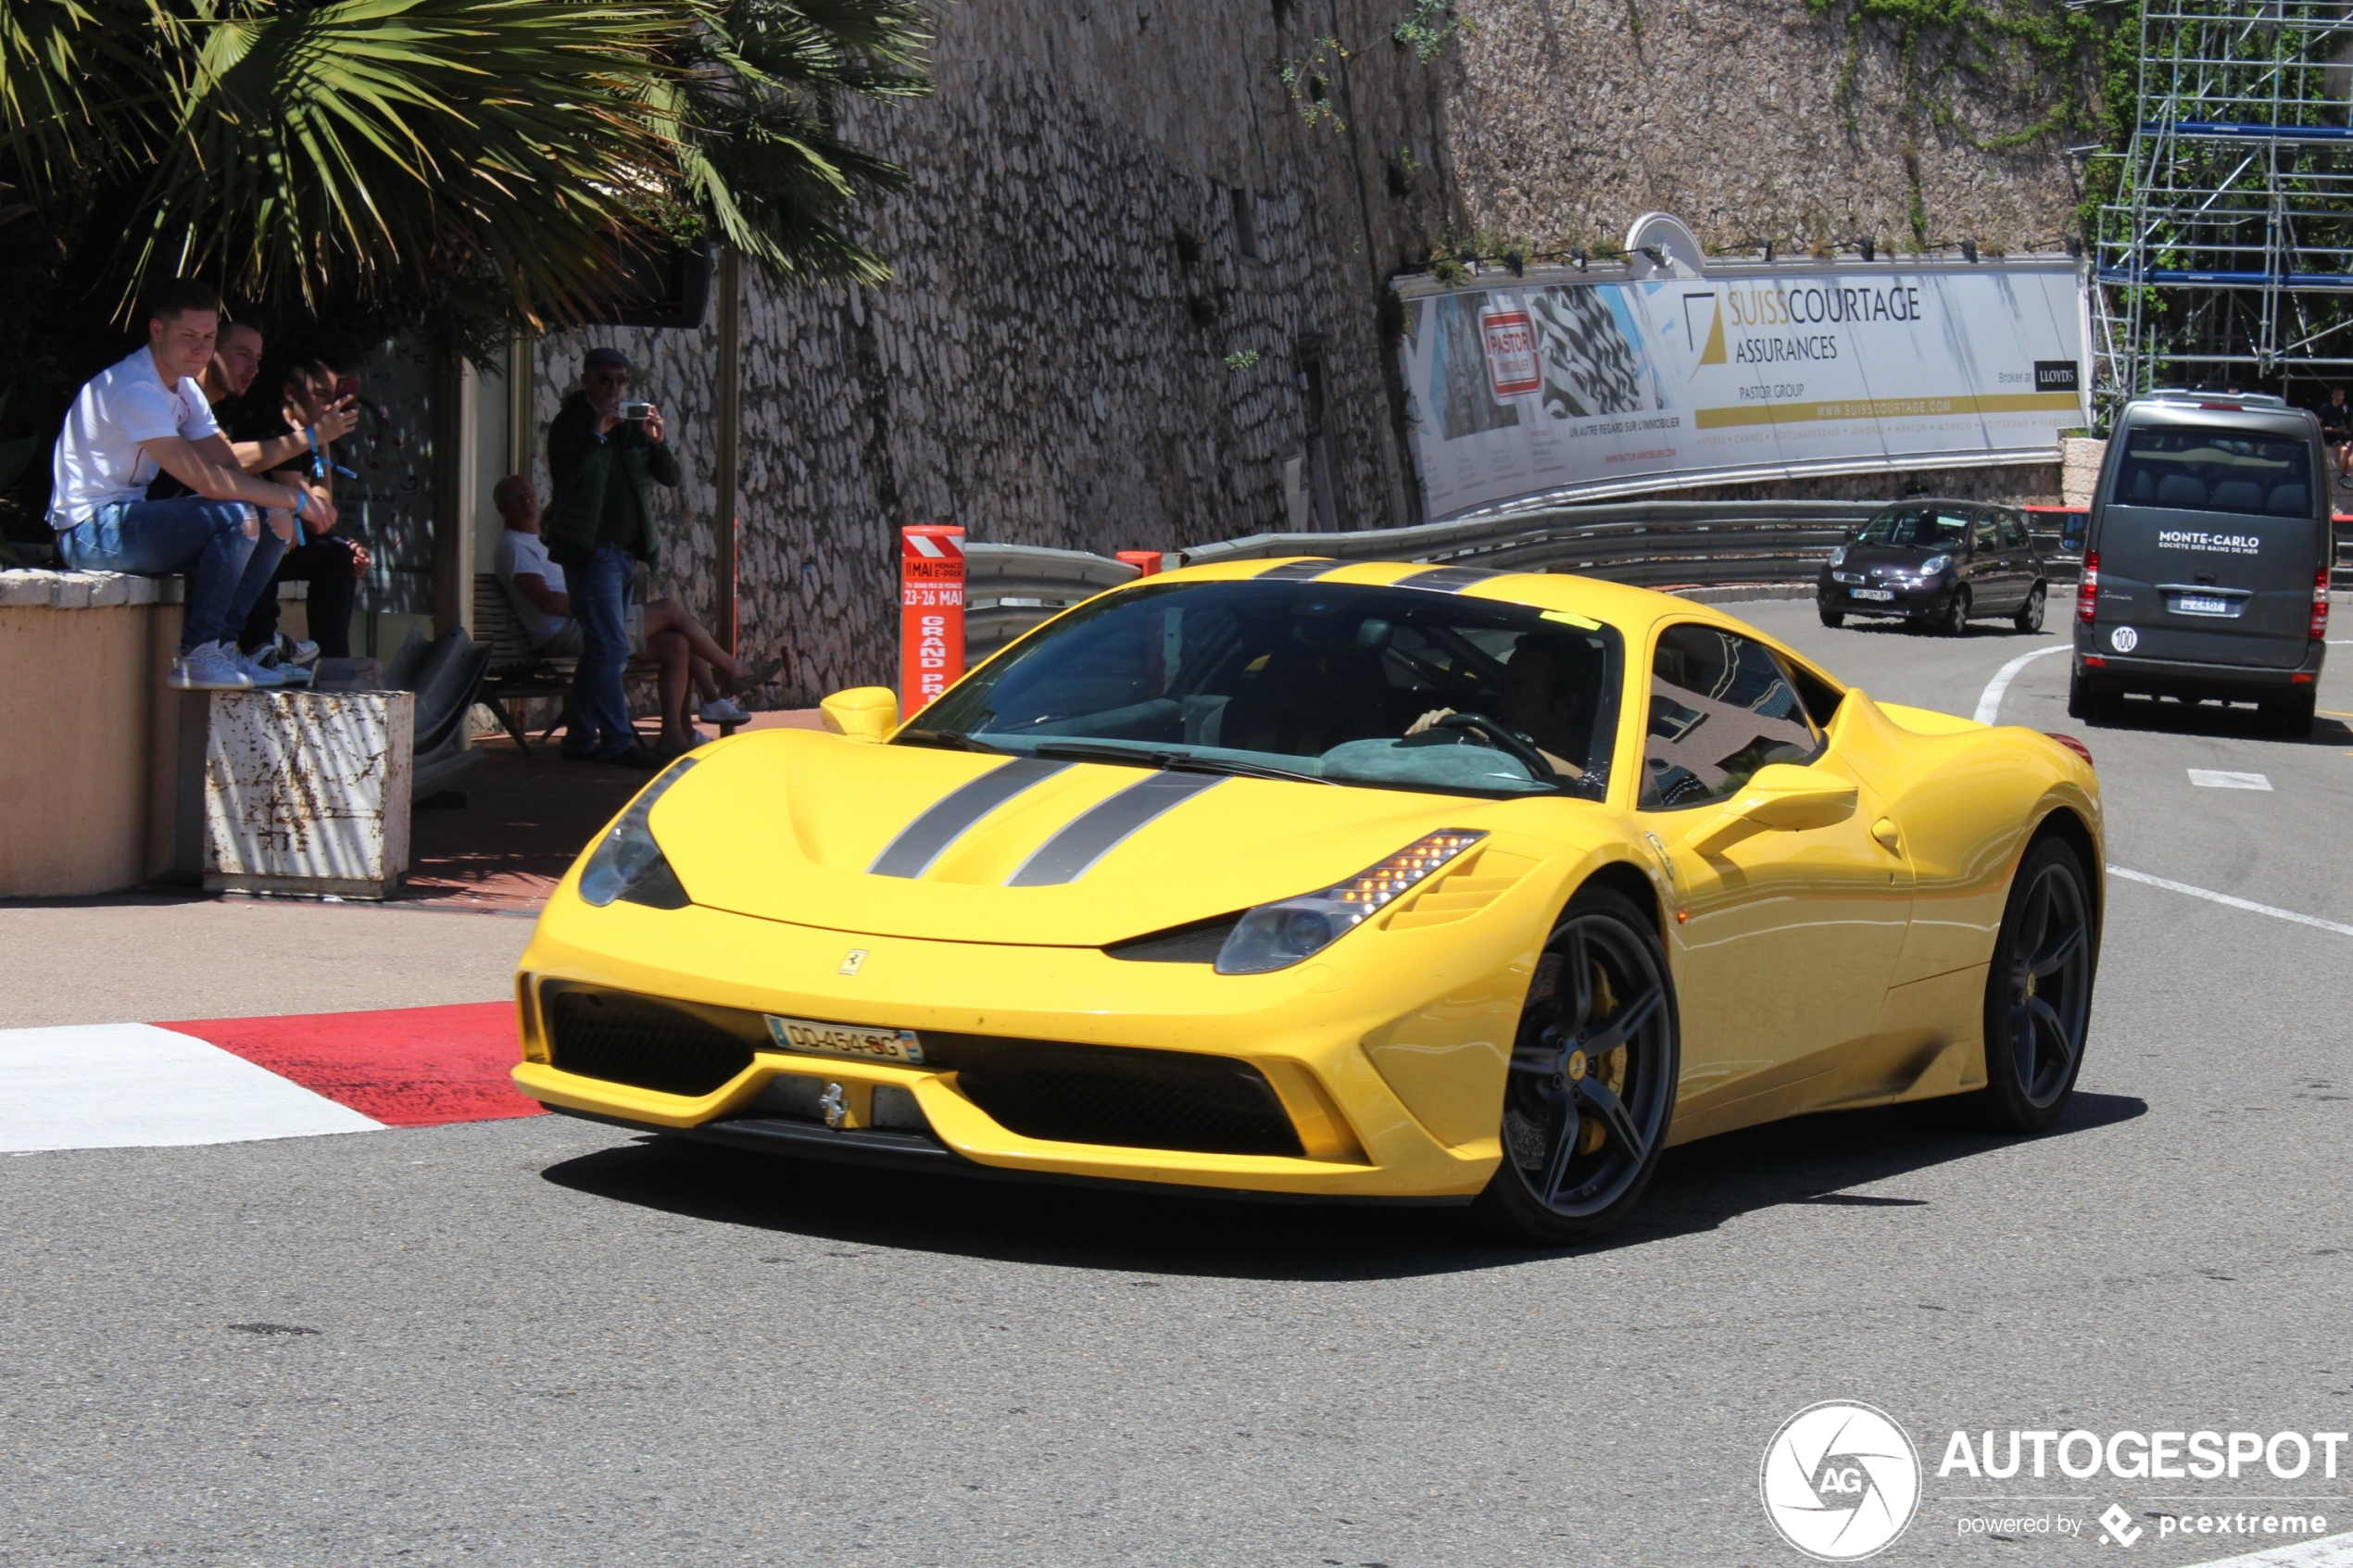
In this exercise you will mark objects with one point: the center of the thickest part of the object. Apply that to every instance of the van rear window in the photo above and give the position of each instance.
(2186, 469)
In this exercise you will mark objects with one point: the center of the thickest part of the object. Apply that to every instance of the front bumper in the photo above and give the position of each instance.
(1905, 598)
(1305, 1030)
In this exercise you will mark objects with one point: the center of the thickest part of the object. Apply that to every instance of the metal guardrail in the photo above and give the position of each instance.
(1010, 588)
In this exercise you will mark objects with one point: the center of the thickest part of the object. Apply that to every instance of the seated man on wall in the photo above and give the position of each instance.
(297, 444)
(689, 655)
(148, 414)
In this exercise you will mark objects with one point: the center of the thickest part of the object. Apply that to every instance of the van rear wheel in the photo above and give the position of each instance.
(2293, 717)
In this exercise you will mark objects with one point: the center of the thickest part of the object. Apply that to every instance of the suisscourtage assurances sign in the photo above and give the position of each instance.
(1558, 387)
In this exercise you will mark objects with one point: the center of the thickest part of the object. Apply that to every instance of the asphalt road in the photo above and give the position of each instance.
(545, 1342)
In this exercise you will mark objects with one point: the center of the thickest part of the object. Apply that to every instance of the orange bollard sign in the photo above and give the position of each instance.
(931, 611)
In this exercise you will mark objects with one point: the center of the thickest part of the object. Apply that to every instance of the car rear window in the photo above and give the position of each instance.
(2190, 469)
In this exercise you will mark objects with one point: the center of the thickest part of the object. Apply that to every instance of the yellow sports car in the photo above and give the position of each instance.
(1340, 880)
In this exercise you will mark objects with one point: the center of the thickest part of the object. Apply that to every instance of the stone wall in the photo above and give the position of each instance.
(1125, 248)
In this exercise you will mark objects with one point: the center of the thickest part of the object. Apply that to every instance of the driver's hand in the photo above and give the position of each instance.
(1428, 721)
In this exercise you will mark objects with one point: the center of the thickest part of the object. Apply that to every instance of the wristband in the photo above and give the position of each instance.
(300, 496)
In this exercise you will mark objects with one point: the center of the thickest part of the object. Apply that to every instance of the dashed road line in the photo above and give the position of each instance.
(2231, 899)
(2219, 778)
(2329, 1552)
(1989, 706)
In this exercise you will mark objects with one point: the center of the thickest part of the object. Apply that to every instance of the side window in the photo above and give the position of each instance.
(2014, 529)
(1985, 538)
(1721, 706)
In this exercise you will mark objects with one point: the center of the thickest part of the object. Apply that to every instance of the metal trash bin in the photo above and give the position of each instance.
(308, 791)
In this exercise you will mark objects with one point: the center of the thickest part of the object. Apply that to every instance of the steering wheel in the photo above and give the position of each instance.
(1501, 738)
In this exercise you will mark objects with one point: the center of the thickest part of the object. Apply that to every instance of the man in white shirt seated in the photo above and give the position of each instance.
(147, 414)
(689, 655)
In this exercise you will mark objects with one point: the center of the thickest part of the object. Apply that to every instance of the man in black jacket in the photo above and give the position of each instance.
(599, 526)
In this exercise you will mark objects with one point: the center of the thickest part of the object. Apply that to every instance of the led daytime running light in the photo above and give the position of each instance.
(1278, 936)
(1375, 888)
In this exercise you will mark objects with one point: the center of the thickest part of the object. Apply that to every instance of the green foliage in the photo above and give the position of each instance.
(1308, 82)
(1244, 359)
(1428, 24)
(1401, 170)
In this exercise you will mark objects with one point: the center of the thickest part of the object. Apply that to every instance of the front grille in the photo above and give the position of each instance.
(674, 1047)
(1133, 1098)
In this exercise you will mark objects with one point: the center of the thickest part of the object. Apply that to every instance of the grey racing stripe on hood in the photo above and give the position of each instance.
(1298, 571)
(1071, 853)
(928, 837)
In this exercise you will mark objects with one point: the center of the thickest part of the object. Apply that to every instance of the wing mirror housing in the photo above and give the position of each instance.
(1781, 798)
(867, 713)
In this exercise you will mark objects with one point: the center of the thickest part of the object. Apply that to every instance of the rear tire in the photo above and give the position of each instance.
(2080, 697)
(1591, 1089)
(2038, 992)
(1953, 622)
(2293, 717)
(2030, 614)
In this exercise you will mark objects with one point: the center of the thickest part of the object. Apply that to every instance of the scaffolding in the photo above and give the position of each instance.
(2226, 256)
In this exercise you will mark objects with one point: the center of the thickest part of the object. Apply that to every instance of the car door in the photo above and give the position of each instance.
(1992, 582)
(2018, 548)
(1784, 942)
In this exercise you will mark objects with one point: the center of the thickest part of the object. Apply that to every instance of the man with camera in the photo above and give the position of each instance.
(604, 452)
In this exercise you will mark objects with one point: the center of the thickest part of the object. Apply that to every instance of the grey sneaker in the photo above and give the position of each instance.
(208, 667)
(261, 675)
(293, 650)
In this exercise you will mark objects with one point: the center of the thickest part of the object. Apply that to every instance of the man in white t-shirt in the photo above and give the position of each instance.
(692, 661)
(148, 415)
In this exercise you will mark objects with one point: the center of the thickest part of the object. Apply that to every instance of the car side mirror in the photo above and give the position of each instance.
(1781, 798)
(867, 713)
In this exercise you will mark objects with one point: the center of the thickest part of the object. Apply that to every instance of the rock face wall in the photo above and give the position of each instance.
(1139, 294)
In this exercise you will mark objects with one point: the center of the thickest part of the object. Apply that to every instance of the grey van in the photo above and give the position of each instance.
(2206, 566)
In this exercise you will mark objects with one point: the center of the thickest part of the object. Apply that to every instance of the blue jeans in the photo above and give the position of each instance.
(227, 572)
(600, 593)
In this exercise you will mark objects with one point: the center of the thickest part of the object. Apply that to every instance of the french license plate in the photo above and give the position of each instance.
(2202, 604)
(816, 1038)
(1880, 595)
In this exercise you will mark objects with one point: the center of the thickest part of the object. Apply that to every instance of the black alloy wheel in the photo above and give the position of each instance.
(2030, 614)
(1953, 622)
(1593, 1078)
(2038, 992)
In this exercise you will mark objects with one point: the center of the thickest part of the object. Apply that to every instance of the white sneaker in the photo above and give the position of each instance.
(258, 673)
(295, 651)
(724, 710)
(284, 658)
(208, 667)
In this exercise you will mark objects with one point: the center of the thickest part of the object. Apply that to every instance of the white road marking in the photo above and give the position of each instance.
(2329, 1552)
(133, 1085)
(1989, 706)
(2238, 903)
(2216, 778)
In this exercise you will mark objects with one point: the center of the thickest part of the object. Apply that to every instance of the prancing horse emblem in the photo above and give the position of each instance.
(849, 964)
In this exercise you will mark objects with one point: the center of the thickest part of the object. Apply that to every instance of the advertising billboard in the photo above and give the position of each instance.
(1557, 386)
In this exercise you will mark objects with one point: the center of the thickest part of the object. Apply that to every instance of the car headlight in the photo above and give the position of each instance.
(627, 863)
(1838, 556)
(1934, 564)
(1279, 935)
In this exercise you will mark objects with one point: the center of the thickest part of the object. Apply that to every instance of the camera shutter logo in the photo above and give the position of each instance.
(1840, 1481)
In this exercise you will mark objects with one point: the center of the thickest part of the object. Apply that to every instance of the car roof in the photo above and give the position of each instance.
(2210, 409)
(1947, 501)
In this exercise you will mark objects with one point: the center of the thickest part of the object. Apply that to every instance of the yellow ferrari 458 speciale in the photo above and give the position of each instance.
(1338, 881)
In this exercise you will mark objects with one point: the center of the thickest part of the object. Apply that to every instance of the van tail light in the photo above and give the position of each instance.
(2074, 746)
(2087, 591)
(2320, 604)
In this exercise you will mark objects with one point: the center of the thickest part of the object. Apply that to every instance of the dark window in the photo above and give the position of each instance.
(1245, 222)
(1916, 528)
(1721, 706)
(1985, 536)
(2194, 468)
(2014, 529)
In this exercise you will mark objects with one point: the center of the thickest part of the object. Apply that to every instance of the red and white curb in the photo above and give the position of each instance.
(232, 1080)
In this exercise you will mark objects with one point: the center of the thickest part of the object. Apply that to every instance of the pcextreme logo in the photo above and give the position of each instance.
(1840, 1481)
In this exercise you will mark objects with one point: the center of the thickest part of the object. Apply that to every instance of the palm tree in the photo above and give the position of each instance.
(368, 150)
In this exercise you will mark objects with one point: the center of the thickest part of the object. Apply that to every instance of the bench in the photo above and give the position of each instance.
(518, 671)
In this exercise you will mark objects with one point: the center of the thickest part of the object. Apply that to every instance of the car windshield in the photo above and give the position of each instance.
(1916, 528)
(2194, 469)
(1394, 688)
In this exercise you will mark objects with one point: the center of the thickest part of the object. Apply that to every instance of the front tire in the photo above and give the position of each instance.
(1833, 619)
(1953, 622)
(2038, 992)
(1591, 1089)
(2030, 614)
